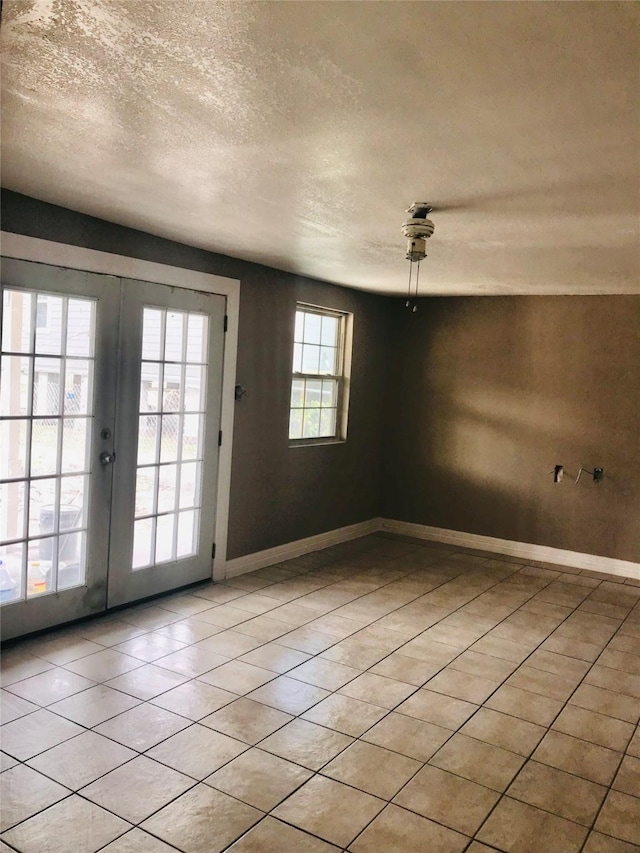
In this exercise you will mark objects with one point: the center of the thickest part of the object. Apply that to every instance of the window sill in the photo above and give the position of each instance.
(315, 442)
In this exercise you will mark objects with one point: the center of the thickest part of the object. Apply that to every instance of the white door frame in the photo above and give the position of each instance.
(75, 257)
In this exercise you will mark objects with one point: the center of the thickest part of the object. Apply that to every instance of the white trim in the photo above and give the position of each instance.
(33, 249)
(270, 556)
(537, 553)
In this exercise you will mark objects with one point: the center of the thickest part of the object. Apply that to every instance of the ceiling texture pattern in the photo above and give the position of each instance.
(295, 134)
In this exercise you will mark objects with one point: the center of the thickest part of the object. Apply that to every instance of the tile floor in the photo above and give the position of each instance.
(381, 696)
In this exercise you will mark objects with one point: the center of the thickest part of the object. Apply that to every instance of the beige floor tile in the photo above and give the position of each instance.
(60, 650)
(329, 809)
(596, 728)
(13, 707)
(325, 673)
(147, 682)
(628, 777)
(306, 743)
(620, 817)
(289, 695)
(137, 841)
(225, 616)
(502, 730)
(408, 736)
(186, 604)
(142, 727)
(202, 821)
(380, 638)
(27, 736)
(194, 699)
(476, 847)
(17, 665)
(73, 824)
(384, 692)
(6, 762)
(623, 661)
(108, 631)
(620, 643)
(615, 680)
(634, 745)
(599, 843)
(49, 687)
(77, 762)
(505, 649)
(275, 658)
(521, 828)
(524, 705)
(558, 792)
(437, 708)
(137, 789)
(479, 762)
(462, 685)
(352, 653)
(247, 720)
(305, 639)
(192, 661)
(101, 666)
(189, 630)
(344, 714)
(397, 829)
(259, 778)
(238, 677)
(572, 648)
(372, 769)
(457, 803)
(430, 651)
(578, 757)
(543, 683)
(149, 647)
(197, 751)
(273, 836)
(149, 617)
(255, 603)
(486, 666)
(606, 702)
(230, 643)
(94, 706)
(23, 793)
(406, 669)
(559, 664)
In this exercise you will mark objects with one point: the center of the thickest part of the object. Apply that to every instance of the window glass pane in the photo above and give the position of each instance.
(186, 533)
(39, 570)
(313, 393)
(194, 391)
(44, 447)
(192, 432)
(197, 337)
(150, 378)
(164, 537)
(312, 324)
(72, 561)
(297, 392)
(142, 538)
(169, 439)
(329, 336)
(13, 440)
(151, 333)
(12, 497)
(74, 500)
(297, 358)
(328, 422)
(295, 423)
(14, 385)
(311, 423)
(328, 360)
(171, 387)
(11, 583)
(75, 438)
(42, 507)
(46, 386)
(190, 478)
(299, 328)
(145, 491)
(310, 359)
(78, 388)
(80, 330)
(16, 321)
(148, 430)
(167, 488)
(49, 314)
(174, 335)
(329, 392)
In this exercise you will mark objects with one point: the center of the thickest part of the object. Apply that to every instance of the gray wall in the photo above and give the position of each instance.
(278, 494)
(487, 394)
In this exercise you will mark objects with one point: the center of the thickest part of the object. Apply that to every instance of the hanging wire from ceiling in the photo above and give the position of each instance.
(417, 230)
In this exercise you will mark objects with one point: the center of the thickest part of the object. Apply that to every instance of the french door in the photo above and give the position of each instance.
(110, 395)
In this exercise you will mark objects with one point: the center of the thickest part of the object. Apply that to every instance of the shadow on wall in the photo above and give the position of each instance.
(487, 394)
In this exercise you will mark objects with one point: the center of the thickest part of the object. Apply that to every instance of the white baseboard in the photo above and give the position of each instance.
(270, 556)
(525, 550)
(537, 553)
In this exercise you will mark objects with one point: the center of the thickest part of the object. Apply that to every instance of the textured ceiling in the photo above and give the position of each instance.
(295, 134)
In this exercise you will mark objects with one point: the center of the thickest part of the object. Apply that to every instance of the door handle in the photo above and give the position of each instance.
(108, 458)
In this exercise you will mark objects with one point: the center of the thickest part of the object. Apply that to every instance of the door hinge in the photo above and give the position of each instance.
(213, 551)
(226, 323)
(220, 438)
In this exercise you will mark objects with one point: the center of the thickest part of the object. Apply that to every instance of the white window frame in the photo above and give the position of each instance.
(342, 377)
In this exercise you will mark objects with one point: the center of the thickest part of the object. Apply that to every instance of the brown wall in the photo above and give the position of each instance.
(278, 494)
(487, 394)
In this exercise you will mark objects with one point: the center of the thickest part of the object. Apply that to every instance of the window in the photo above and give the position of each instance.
(320, 371)
(42, 312)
